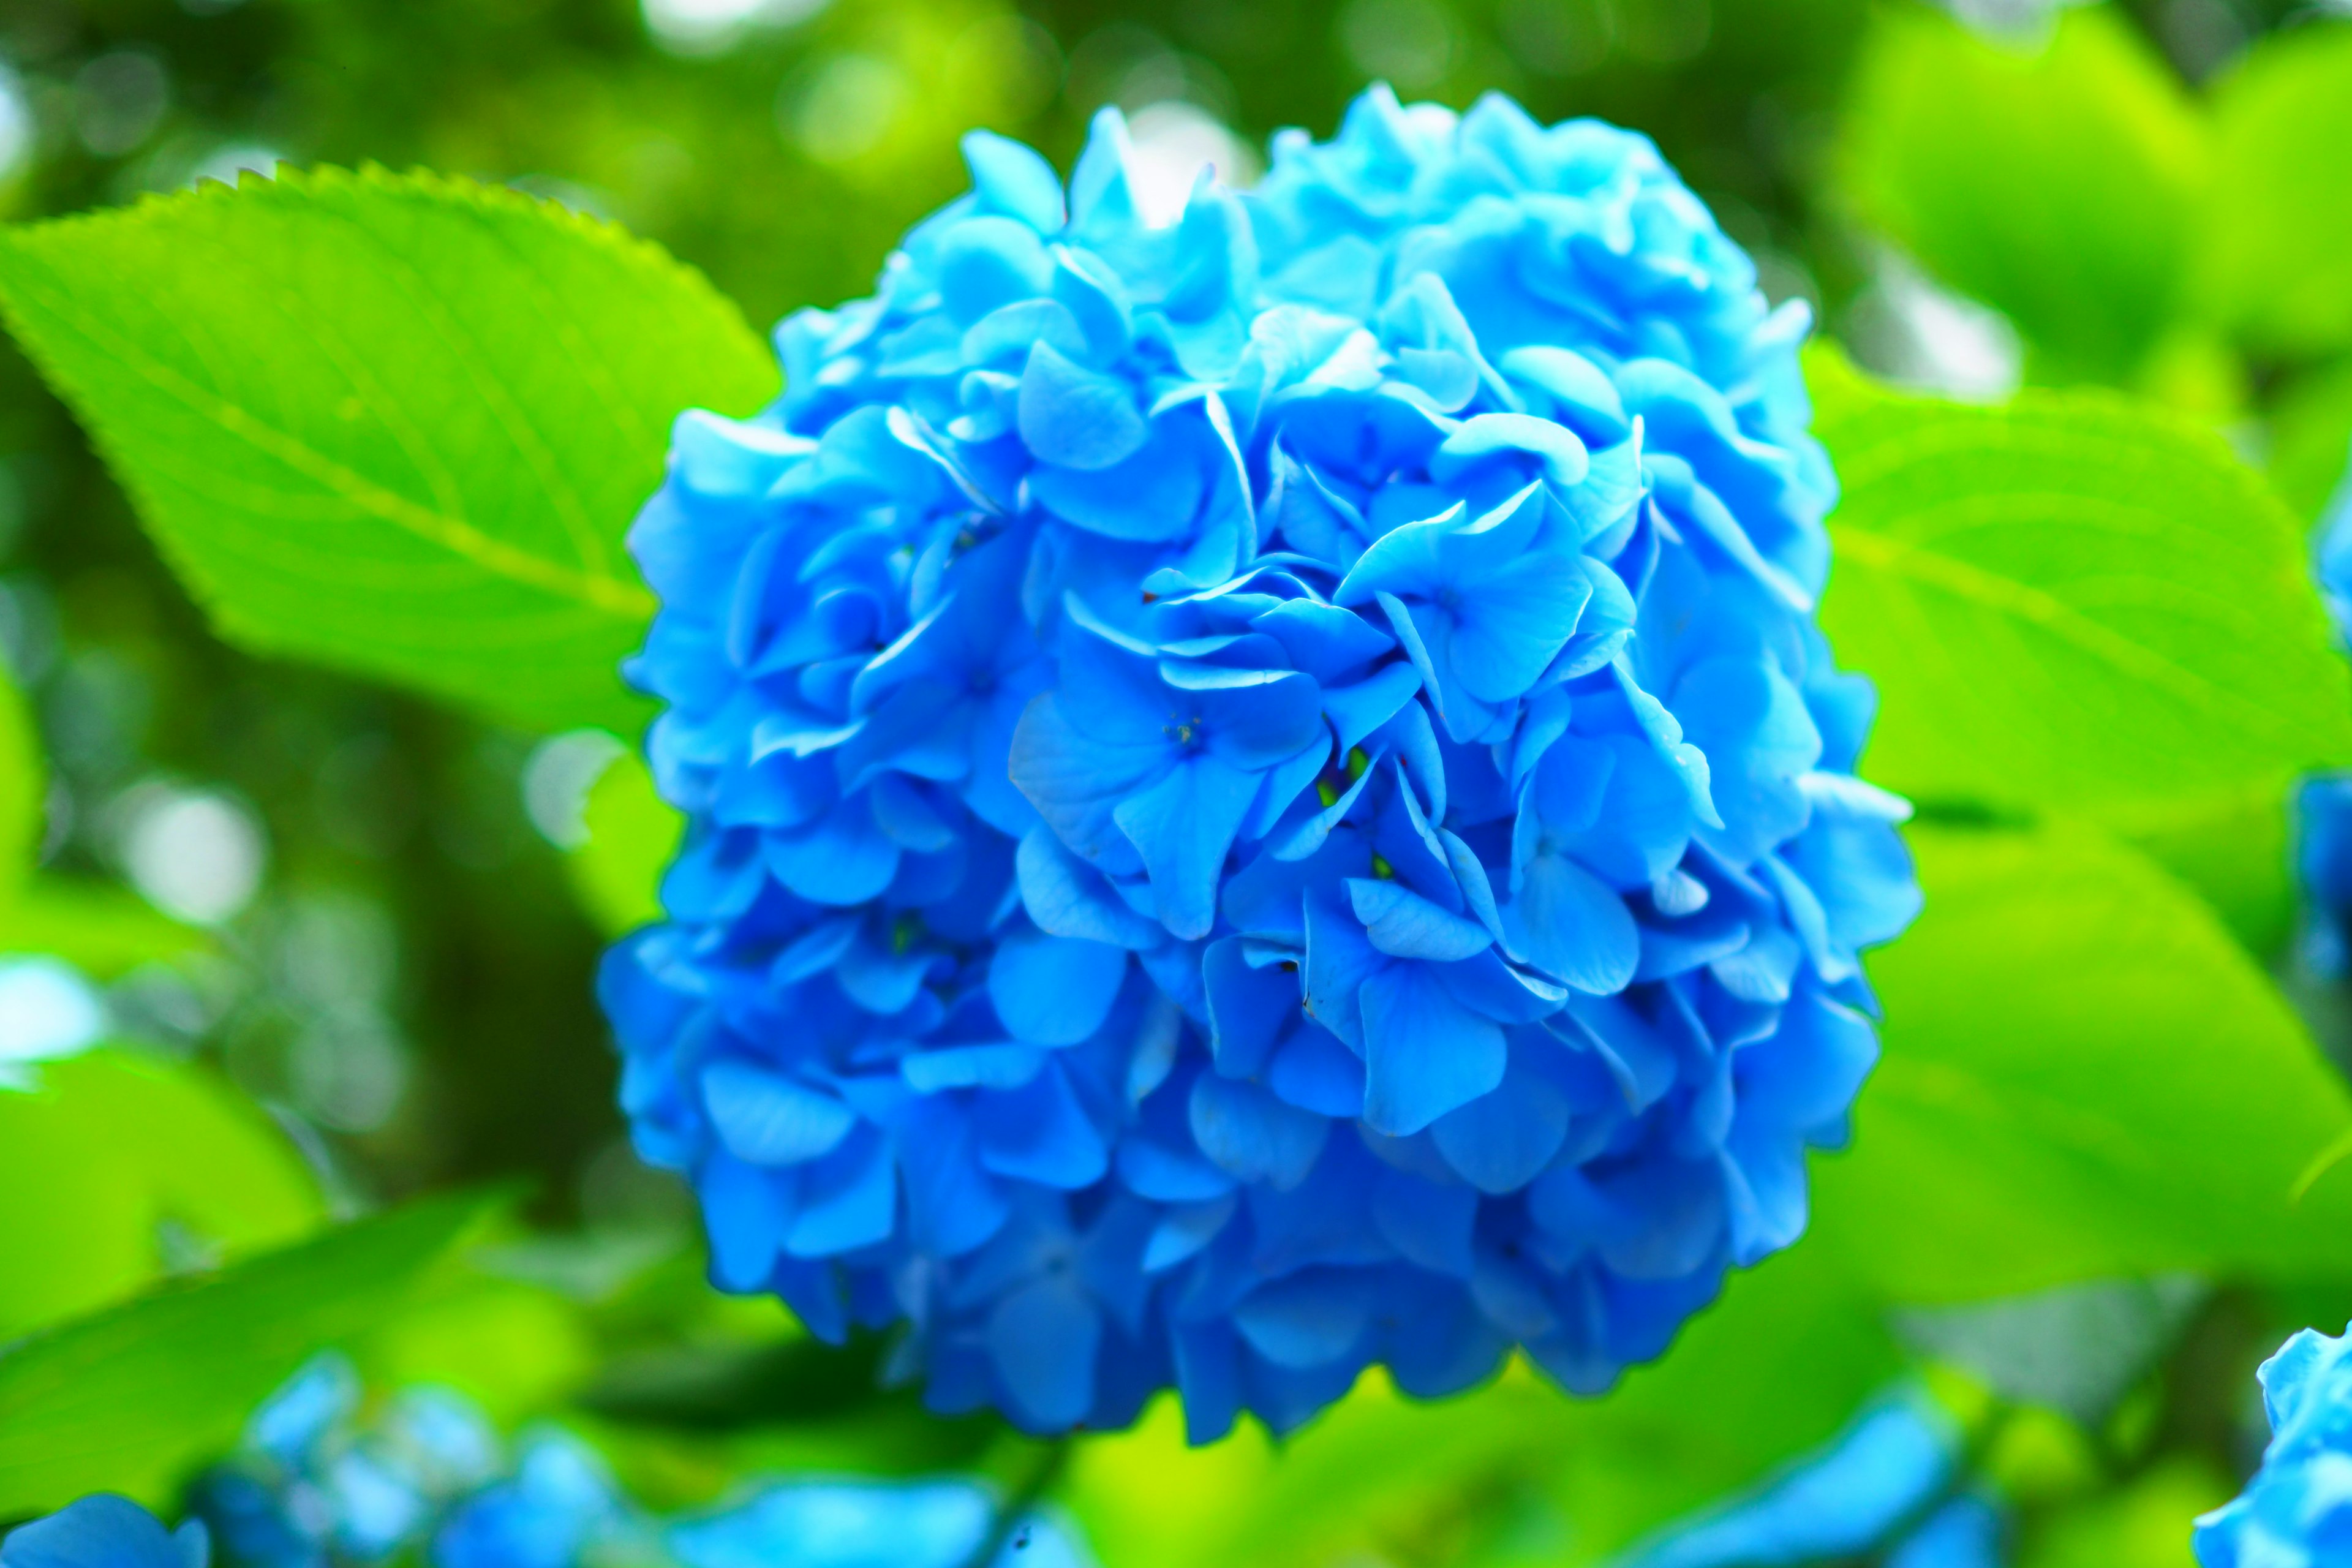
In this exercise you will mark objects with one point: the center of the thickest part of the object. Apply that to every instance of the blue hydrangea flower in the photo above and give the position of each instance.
(2297, 1511)
(1265, 793)
(559, 1508)
(105, 1531)
(1884, 1489)
(312, 1486)
(869, 1524)
(428, 1479)
(2324, 805)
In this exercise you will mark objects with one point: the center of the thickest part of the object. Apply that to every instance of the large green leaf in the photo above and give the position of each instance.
(2083, 1078)
(2277, 229)
(397, 423)
(129, 1400)
(2073, 604)
(126, 1146)
(2057, 184)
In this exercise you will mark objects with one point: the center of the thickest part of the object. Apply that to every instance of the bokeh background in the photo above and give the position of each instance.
(396, 950)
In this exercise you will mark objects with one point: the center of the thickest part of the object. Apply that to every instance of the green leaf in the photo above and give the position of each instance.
(2277, 228)
(2083, 1078)
(2057, 184)
(2075, 605)
(125, 1144)
(632, 834)
(102, 931)
(2142, 1524)
(396, 424)
(24, 788)
(129, 1400)
(2311, 438)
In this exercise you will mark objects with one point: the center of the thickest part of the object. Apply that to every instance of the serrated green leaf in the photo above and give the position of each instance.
(2083, 1078)
(2276, 233)
(2073, 604)
(396, 424)
(129, 1400)
(2057, 184)
(125, 1144)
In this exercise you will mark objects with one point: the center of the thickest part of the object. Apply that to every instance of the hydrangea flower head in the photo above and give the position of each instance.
(1265, 794)
(2297, 1511)
(104, 1530)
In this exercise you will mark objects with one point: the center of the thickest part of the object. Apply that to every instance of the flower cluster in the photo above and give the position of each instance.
(428, 1478)
(1888, 1490)
(2297, 1511)
(1265, 794)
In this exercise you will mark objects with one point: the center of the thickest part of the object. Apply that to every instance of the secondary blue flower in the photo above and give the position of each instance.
(1883, 1489)
(869, 1524)
(2324, 805)
(435, 1483)
(311, 1485)
(104, 1532)
(559, 1510)
(2297, 1512)
(1265, 794)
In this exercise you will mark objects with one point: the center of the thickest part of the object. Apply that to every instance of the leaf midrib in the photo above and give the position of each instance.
(609, 595)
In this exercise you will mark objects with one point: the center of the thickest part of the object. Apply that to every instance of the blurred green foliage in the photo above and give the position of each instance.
(2100, 659)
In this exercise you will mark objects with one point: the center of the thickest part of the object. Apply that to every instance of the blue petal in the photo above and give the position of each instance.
(1068, 897)
(102, 1530)
(1315, 1072)
(1425, 1053)
(1252, 1134)
(765, 1119)
(1053, 990)
(1402, 924)
(1501, 1142)
(1040, 1133)
(1042, 1340)
(1569, 924)
(1429, 1223)
(1077, 418)
(1010, 178)
(970, 1066)
(1312, 1319)
(847, 1200)
(1182, 827)
(1249, 1006)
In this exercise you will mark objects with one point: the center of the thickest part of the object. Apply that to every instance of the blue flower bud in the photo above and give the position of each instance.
(1265, 794)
